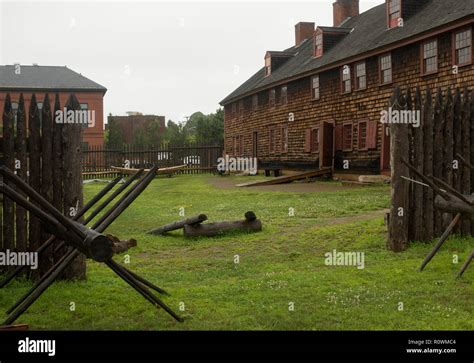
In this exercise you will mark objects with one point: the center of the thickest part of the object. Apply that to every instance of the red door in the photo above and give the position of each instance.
(327, 149)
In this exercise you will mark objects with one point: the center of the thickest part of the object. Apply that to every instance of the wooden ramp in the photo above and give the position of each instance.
(288, 178)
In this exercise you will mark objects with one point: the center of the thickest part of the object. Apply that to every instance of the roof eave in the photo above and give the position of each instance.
(409, 40)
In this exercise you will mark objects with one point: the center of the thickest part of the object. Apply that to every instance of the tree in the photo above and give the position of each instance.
(175, 133)
(210, 128)
(115, 135)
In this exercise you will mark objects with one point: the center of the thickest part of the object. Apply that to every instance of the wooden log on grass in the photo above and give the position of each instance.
(177, 225)
(250, 224)
(120, 246)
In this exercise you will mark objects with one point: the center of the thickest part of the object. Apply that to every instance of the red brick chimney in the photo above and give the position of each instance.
(303, 30)
(343, 9)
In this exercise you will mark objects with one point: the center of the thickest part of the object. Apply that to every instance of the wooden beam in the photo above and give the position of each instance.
(288, 178)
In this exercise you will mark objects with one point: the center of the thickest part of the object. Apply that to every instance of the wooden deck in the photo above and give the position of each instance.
(288, 178)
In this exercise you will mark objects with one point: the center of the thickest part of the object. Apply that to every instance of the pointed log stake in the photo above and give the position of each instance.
(466, 265)
(441, 241)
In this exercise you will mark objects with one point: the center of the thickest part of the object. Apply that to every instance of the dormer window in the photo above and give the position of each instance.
(394, 10)
(268, 65)
(326, 37)
(318, 44)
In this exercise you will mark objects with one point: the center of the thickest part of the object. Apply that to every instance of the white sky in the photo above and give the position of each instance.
(167, 58)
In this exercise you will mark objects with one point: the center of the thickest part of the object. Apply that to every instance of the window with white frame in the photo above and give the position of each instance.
(430, 57)
(463, 47)
(361, 76)
(386, 69)
(315, 87)
(346, 79)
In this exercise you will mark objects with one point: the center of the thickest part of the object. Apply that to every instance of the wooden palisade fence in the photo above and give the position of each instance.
(48, 156)
(97, 161)
(447, 123)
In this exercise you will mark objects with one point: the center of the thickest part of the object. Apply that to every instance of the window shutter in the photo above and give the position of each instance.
(307, 145)
(339, 138)
(372, 135)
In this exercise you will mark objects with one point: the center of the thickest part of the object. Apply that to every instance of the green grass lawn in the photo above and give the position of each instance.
(281, 267)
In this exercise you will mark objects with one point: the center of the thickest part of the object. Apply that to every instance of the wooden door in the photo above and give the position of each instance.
(327, 149)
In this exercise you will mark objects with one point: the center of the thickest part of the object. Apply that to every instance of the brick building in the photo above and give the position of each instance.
(319, 102)
(134, 122)
(15, 79)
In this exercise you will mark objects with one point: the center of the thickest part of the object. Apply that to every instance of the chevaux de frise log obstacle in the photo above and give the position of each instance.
(77, 238)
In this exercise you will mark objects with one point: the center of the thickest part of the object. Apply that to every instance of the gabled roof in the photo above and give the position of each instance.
(53, 78)
(369, 34)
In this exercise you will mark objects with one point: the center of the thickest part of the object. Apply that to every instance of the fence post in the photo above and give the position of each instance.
(398, 227)
(22, 157)
(438, 153)
(418, 161)
(34, 125)
(46, 172)
(428, 134)
(466, 152)
(72, 135)
(8, 159)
